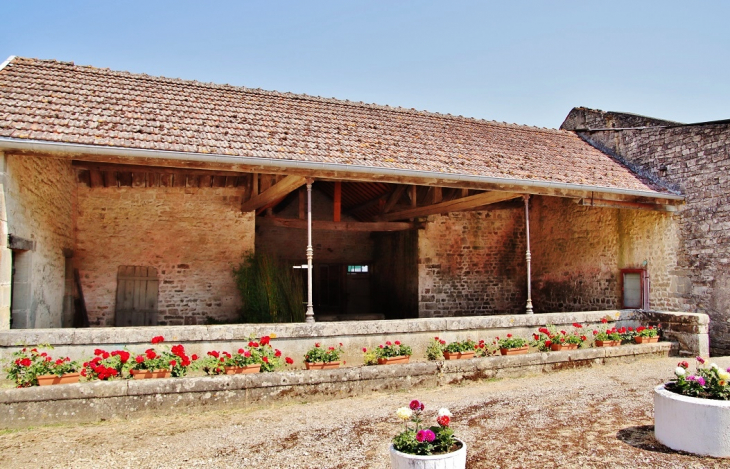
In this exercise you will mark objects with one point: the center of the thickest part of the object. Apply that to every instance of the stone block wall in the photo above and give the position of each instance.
(40, 194)
(578, 252)
(192, 236)
(473, 263)
(695, 160)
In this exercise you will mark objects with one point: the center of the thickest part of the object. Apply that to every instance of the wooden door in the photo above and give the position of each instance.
(136, 296)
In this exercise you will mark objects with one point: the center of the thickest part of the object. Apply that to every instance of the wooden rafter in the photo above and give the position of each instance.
(456, 205)
(273, 193)
(336, 226)
(394, 198)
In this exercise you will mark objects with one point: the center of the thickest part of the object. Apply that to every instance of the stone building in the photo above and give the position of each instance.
(692, 159)
(135, 195)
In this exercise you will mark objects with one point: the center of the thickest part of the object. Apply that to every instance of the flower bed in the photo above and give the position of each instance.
(692, 411)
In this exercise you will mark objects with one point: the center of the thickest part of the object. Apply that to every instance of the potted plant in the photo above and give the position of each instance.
(389, 354)
(511, 345)
(105, 365)
(605, 337)
(692, 411)
(646, 334)
(435, 349)
(426, 447)
(459, 350)
(29, 367)
(319, 358)
(160, 364)
(549, 338)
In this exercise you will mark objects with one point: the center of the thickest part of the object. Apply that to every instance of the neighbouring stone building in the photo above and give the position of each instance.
(134, 196)
(693, 159)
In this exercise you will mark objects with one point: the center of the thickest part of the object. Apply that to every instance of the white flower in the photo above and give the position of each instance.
(724, 375)
(714, 366)
(444, 411)
(404, 413)
(679, 371)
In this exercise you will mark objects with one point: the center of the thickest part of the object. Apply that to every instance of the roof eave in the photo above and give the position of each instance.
(260, 164)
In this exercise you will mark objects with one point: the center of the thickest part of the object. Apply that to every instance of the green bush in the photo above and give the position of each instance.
(270, 291)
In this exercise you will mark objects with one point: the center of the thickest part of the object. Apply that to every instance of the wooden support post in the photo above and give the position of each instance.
(302, 203)
(255, 186)
(413, 193)
(338, 201)
(437, 195)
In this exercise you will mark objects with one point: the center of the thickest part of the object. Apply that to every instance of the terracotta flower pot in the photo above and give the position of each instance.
(645, 340)
(321, 365)
(608, 343)
(513, 351)
(458, 355)
(394, 360)
(242, 370)
(559, 347)
(68, 378)
(150, 374)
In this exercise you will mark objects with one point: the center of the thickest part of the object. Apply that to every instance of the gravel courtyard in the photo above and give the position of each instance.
(596, 417)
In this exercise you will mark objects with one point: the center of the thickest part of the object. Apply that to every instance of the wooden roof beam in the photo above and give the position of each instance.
(273, 193)
(336, 226)
(456, 205)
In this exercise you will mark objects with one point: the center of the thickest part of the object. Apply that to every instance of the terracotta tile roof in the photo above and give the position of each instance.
(62, 102)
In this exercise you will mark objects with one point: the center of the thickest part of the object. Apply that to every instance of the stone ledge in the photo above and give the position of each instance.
(110, 336)
(89, 402)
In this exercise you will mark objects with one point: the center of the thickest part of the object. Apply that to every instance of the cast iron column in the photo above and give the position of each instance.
(528, 256)
(309, 317)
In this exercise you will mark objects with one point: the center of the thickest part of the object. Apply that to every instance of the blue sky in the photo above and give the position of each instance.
(527, 62)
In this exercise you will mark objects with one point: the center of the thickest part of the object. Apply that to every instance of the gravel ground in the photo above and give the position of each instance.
(597, 417)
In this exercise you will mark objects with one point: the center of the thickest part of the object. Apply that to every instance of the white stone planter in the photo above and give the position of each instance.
(691, 424)
(455, 460)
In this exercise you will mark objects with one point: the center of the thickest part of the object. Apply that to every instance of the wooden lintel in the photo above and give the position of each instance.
(337, 202)
(275, 192)
(602, 203)
(132, 168)
(336, 226)
(465, 203)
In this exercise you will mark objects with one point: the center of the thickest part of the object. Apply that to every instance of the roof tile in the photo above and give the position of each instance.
(61, 102)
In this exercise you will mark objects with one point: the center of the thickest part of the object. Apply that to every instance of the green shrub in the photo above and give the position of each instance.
(270, 291)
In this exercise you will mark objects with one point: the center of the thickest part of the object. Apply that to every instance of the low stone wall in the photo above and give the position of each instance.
(123, 399)
(690, 330)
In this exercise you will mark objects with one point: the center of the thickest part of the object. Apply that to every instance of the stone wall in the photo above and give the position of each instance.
(192, 236)
(40, 196)
(578, 252)
(295, 339)
(695, 160)
(472, 263)
(127, 399)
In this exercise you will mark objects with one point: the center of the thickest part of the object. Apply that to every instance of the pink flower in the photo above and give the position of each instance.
(364, 350)
(416, 405)
(425, 435)
(397, 342)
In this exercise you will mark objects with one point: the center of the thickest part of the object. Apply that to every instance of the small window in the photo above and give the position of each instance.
(357, 269)
(634, 289)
